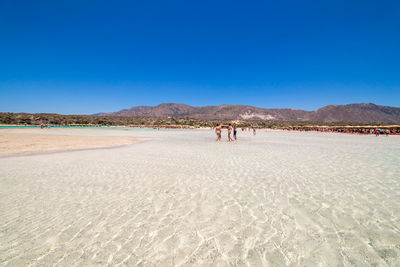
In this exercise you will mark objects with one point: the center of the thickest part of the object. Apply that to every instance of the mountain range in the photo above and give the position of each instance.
(362, 112)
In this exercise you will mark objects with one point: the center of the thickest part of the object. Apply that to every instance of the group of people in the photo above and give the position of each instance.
(230, 127)
(348, 130)
(386, 132)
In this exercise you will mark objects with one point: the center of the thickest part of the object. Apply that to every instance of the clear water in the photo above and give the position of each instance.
(68, 127)
(274, 199)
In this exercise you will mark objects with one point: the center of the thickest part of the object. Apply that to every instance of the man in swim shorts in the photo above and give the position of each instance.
(234, 132)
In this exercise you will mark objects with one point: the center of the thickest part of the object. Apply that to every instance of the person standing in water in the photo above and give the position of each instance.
(254, 131)
(234, 132)
(229, 132)
(218, 130)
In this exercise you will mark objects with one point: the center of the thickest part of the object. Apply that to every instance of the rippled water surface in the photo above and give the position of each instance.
(274, 199)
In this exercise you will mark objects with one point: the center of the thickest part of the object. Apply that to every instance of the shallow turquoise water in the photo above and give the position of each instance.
(73, 127)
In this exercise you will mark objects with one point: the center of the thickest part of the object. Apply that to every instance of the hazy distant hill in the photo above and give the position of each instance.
(332, 113)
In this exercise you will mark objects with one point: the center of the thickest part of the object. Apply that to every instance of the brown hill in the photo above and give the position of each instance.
(333, 113)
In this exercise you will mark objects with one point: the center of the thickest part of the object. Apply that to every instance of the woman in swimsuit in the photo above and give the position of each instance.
(218, 130)
(229, 132)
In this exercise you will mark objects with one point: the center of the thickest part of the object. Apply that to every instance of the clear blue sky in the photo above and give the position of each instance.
(83, 57)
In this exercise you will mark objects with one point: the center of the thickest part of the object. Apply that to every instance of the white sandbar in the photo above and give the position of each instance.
(35, 141)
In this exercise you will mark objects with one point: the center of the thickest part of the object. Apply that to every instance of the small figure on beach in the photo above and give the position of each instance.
(234, 132)
(254, 131)
(218, 130)
(229, 132)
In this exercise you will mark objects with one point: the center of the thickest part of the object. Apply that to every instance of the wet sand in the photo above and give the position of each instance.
(181, 199)
(13, 144)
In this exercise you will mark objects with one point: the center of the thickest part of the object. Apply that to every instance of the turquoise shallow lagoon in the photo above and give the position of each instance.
(181, 199)
(63, 127)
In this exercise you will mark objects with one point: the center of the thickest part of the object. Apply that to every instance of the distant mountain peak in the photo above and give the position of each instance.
(358, 112)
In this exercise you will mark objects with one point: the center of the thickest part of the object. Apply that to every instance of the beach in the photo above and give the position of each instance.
(181, 199)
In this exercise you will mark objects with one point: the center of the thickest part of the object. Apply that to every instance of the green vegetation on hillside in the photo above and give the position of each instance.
(87, 120)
